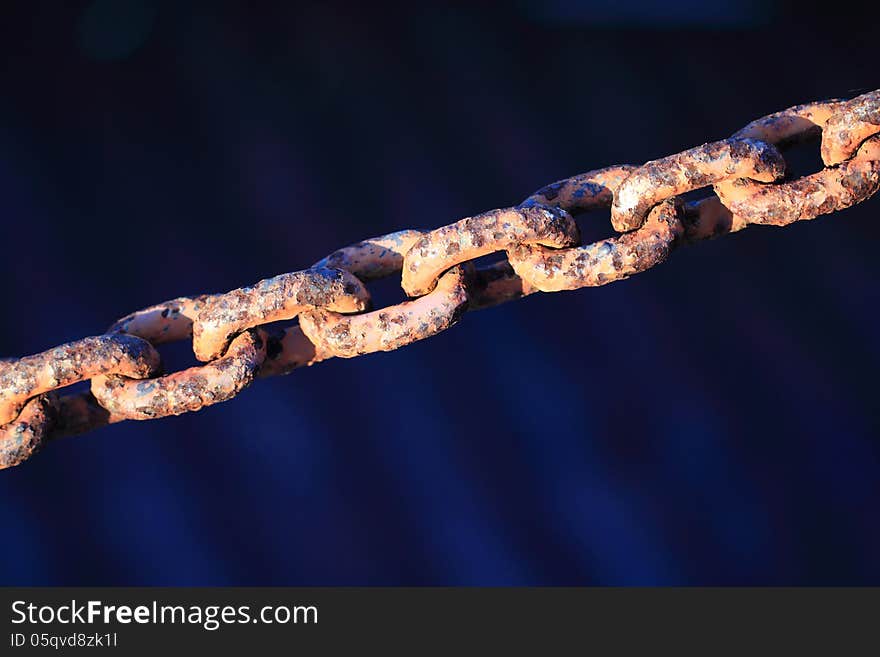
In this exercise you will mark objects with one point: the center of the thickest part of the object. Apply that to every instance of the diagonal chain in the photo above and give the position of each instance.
(540, 238)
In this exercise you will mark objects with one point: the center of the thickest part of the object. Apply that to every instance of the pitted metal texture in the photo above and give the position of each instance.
(745, 181)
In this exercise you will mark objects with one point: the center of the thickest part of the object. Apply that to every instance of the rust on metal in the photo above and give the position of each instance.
(374, 258)
(371, 259)
(188, 390)
(553, 270)
(326, 334)
(25, 435)
(81, 413)
(843, 127)
(791, 125)
(273, 299)
(819, 193)
(287, 350)
(470, 238)
(698, 167)
(165, 322)
(71, 363)
(389, 328)
(845, 130)
(539, 236)
(586, 191)
(496, 284)
(709, 218)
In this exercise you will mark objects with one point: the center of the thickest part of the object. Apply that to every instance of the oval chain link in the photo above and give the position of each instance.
(540, 238)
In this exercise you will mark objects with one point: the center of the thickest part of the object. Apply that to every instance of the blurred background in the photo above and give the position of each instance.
(712, 421)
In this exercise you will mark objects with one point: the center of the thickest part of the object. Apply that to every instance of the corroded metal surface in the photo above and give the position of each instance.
(78, 414)
(470, 238)
(271, 300)
(288, 350)
(188, 390)
(165, 322)
(846, 129)
(808, 197)
(698, 167)
(24, 436)
(540, 238)
(374, 258)
(496, 284)
(791, 125)
(586, 191)
(707, 219)
(390, 328)
(71, 363)
(553, 270)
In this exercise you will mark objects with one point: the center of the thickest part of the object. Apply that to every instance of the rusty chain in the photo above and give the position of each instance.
(541, 240)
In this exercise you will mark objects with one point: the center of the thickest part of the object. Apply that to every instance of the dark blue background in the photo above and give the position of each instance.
(713, 421)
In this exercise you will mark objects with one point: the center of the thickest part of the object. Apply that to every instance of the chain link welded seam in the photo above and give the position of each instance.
(541, 241)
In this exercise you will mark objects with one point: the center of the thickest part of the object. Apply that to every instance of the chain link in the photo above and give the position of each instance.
(230, 332)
